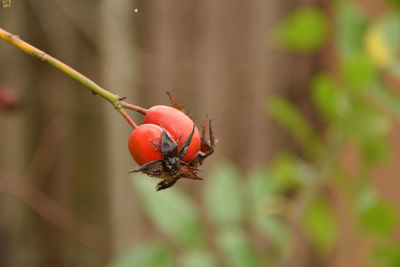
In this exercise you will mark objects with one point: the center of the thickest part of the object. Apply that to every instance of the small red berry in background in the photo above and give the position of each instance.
(9, 99)
(168, 145)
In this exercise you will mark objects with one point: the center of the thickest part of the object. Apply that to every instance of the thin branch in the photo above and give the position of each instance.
(134, 107)
(126, 116)
(42, 56)
(52, 212)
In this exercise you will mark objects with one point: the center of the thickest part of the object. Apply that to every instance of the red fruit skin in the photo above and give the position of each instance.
(141, 146)
(177, 124)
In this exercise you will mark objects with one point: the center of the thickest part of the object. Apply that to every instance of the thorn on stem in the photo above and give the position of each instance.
(13, 36)
(43, 58)
(122, 98)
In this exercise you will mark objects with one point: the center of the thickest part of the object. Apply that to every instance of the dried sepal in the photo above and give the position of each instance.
(164, 184)
(152, 168)
(178, 107)
(174, 104)
(168, 147)
(172, 167)
(185, 145)
(207, 147)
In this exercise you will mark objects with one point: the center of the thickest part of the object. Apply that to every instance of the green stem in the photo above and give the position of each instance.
(114, 99)
(326, 162)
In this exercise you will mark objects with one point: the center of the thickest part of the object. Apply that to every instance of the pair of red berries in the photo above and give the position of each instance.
(168, 145)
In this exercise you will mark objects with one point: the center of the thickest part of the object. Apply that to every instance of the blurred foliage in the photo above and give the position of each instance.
(172, 211)
(284, 112)
(241, 211)
(145, 256)
(320, 225)
(379, 218)
(223, 196)
(304, 30)
(388, 256)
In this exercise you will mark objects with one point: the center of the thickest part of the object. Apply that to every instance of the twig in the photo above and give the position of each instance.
(126, 116)
(52, 212)
(134, 107)
(114, 99)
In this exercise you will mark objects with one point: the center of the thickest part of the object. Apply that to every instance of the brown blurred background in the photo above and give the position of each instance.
(215, 57)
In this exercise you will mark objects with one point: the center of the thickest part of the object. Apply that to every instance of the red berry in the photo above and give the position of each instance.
(168, 145)
(178, 125)
(9, 99)
(142, 143)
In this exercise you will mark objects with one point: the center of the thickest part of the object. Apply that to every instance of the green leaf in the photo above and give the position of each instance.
(328, 99)
(305, 30)
(263, 192)
(197, 258)
(388, 256)
(365, 124)
(288, 173)
(283, 169)
(359, 71)
(351, 25)
(261, 185)
(236, 248)
(376, 150)
(365, 198)
(289, 117)
(380, 219)
(223, 197)
(320, 225)
(144, 256)
(170, 210)
(396, 3)
(274, 229)
(357, 117)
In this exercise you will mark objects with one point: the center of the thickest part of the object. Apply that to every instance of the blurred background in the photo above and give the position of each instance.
(304, 100)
